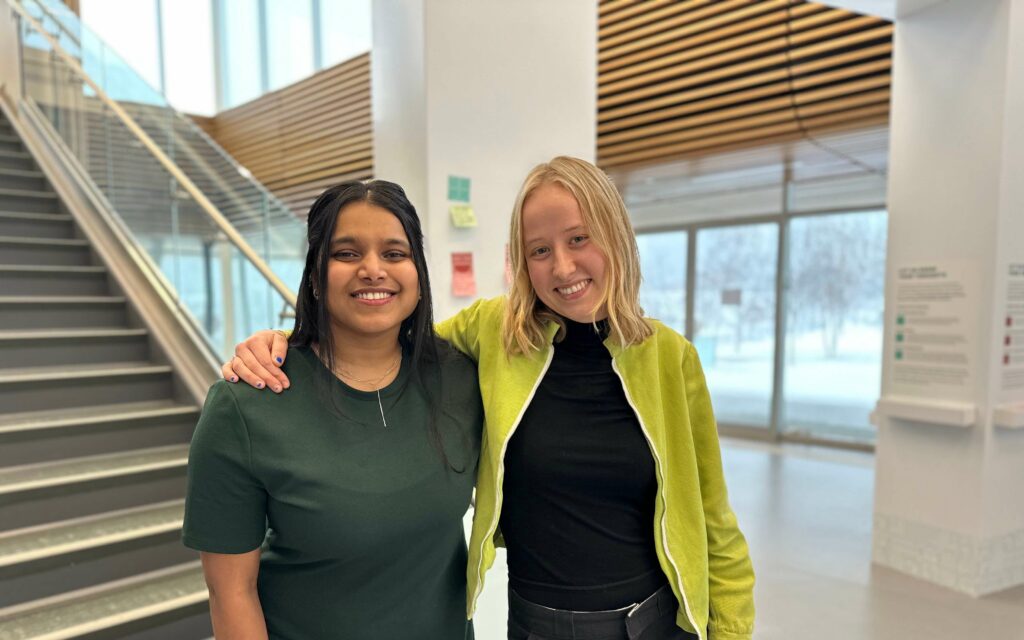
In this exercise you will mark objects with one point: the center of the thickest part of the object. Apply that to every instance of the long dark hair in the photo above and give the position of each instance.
(416, 336)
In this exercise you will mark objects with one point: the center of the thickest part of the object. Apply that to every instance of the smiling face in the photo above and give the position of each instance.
(567, 269)
(372, 283)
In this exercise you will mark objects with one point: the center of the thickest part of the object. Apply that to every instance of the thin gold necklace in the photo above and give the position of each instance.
(375, 384)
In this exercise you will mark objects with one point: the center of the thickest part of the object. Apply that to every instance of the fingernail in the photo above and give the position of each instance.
(259, 385)
(277, 389)
(234, 378)
(279, 360)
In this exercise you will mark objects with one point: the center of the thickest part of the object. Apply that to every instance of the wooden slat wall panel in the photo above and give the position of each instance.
(207, 124)
(685, 77)
(305, 137)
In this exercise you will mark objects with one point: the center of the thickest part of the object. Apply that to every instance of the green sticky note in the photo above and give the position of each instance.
(462, 215)
(458, 189)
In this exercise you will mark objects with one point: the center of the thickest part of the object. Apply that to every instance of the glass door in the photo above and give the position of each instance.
(734, 319)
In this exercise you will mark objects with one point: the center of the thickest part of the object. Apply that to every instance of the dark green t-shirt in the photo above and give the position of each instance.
(361, 525)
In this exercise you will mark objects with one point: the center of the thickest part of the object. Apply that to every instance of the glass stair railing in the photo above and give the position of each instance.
(228, 250)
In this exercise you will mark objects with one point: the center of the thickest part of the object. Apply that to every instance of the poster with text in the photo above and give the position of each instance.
(934, 330)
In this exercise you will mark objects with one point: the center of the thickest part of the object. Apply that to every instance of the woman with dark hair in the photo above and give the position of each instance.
(338, 512)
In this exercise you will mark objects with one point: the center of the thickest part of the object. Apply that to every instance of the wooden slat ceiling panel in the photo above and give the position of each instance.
(305, 137)
(691, 76)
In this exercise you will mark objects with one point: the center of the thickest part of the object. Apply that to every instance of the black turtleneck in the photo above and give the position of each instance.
(579, 489)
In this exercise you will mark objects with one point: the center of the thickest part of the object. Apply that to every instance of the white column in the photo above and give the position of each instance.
(949, 500)
(482, 89)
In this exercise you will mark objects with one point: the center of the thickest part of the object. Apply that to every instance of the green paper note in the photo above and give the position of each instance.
(458, 189)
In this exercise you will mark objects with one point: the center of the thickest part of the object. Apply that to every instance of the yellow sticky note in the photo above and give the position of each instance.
(462, 215)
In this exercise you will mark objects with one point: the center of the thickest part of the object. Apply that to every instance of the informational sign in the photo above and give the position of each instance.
(932, 350)
(458, 189)
(463, 280)
(732, 297)
(1012, 356)
(462, 216)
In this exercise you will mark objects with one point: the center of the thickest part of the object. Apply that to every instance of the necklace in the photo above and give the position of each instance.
(375, 384)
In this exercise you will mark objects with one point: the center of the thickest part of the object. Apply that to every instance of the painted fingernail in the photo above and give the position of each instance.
(259, 385)
(280, 360)
(277, 389)
(234, 378)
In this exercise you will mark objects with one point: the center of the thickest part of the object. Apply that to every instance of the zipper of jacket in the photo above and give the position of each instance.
(664, 500)
(499, 488)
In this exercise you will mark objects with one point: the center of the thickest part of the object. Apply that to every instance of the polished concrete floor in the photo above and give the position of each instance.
(806, 513)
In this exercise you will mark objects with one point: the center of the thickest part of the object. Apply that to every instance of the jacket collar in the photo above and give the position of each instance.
(551, 330)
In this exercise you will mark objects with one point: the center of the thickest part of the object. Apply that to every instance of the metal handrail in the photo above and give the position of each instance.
(193, 127)
(204, 203)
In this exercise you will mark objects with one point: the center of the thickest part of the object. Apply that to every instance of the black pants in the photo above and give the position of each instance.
(652, 619)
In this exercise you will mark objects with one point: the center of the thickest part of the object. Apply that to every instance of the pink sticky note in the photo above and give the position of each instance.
(463, 280)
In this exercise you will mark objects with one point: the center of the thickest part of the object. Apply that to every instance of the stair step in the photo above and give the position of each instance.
(38, 421)
(14, 178)
(28, 224)
(16, 160)
(33, 544)
(71, 471)
(54, 347)
(80, 372)
(44, 560)
(60, 312)
(10, 141)
(45, 436)
(28, 193)
(50, 280)
(44, 251)
(69, 386)
(177, 591)
(29, 200)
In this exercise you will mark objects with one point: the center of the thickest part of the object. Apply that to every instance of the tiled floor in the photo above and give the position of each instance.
(807, 515)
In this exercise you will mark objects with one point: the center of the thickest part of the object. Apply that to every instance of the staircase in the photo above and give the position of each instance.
(94, 432)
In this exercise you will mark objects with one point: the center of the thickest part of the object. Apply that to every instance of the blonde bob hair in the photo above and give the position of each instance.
(607, 224)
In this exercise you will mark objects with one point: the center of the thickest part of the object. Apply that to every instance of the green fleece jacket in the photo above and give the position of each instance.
(699, 545)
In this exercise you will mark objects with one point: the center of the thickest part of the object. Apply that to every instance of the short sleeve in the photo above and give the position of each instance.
(225, 505)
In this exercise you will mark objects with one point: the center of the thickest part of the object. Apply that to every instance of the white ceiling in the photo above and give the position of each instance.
(888, 9)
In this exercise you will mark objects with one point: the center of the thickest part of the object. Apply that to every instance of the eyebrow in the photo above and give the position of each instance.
(353, 240)
(575, 228)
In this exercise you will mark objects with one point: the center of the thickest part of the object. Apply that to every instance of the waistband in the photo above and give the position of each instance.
(560, 624)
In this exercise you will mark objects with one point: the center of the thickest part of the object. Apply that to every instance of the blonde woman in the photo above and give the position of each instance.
(600, 468)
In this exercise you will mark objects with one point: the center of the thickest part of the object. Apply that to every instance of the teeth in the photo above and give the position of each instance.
(576, 288)
(374, 295)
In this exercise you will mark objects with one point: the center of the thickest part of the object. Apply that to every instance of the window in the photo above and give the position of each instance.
(834, 302)
(289, 41)
(663, 266)
(188, 55)
(346, 29)
(238, 39)
(734, 319)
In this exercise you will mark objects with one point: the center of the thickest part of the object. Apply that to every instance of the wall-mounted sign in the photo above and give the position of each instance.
(934, 330)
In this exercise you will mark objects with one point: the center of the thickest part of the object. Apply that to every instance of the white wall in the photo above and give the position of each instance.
(486, 90)
(943, 195)
(947, 502)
